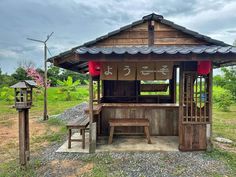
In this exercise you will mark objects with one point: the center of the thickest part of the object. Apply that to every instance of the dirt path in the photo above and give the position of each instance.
(9, 142)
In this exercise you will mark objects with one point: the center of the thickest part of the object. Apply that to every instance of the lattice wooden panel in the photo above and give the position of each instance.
(195, 98)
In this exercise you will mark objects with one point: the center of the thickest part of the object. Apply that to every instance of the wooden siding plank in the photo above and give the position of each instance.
(163, 121)
(182, 41)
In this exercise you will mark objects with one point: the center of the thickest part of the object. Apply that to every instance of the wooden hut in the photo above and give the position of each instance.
(136, 68)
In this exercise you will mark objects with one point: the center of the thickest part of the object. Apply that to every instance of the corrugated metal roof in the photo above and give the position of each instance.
(24, 84)
(149, 17)
(157, 50)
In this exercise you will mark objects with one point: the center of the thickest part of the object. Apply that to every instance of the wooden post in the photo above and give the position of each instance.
(151, 33)
(181, 87)
(91, 142)
(24, 136)
(98, 87)
(172, 89)
(209, 141)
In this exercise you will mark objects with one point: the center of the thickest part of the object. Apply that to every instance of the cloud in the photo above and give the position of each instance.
(77, 21)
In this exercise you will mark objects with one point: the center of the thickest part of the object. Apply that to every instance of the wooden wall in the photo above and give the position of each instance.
(163, 121)
(138, 35)
(165, 35)
(193, 137)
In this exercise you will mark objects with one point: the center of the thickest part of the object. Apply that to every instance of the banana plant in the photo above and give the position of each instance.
(68, 86)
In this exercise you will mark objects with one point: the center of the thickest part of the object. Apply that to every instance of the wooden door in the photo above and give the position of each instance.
(194, 111)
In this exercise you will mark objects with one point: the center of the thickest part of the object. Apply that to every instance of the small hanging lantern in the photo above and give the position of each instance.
(23, 94)
(94, 68)
(204, 67)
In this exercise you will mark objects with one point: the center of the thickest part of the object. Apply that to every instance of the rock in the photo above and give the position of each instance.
(223, 140)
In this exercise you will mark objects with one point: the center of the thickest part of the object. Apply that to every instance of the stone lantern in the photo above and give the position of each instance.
(23, 94)
(23, 102)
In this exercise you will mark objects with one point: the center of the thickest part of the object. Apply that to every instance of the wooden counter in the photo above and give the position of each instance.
(163, 118)
(136, 105)
(97, 108)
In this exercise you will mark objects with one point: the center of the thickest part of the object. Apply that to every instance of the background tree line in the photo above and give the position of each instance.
(55, 74)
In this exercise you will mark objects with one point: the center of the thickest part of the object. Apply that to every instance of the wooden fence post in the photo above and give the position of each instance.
(24, 147)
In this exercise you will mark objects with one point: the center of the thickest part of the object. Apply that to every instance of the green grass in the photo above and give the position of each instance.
(224, 123)
(55, 128)
(13, 169)
(101, 166)
(56, 103)
(228, 158)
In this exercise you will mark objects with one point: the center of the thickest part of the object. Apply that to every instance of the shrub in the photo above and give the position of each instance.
(222, 98)
(6, 94)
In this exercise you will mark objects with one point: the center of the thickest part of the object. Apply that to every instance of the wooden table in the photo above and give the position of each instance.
(97, 108)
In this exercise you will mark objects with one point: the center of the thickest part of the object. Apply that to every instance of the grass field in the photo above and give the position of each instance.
(43, 133)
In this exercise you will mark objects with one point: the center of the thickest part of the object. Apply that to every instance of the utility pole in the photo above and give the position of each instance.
(45, 112)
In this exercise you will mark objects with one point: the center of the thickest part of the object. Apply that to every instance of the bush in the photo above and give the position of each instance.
(6, 94)
(222, 98)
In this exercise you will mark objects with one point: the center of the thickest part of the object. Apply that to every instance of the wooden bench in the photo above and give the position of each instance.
(129, 122)
(80, 124)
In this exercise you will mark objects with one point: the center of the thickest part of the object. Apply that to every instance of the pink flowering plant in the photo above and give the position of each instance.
(34, 74)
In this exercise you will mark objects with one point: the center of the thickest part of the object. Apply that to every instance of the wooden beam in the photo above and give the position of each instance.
(181, 87)
(67, 58)
(155, 57)
(172, 88)
(150, 33)
(210, 90)
(98, 89)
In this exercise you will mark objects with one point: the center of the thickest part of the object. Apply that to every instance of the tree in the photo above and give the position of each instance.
(36, 76)
(6, 80)
(227, 80)
(83, 78)
(218, 80)
(54, 74)
(20, 74)
(230, 79)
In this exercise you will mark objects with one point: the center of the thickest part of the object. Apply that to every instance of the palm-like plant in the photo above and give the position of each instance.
(68, 86)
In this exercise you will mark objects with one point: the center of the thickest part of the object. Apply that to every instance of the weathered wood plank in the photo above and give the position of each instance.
(131, 35)
(122, 41)
(162, 27)
(91, 145)
(163, 121)
(173, 41)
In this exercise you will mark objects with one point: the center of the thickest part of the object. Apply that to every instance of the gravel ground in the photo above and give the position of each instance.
(125, 164)
(130, 164)
(74, 112)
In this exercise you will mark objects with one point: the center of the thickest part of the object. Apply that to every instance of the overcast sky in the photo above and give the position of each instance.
(77, 21)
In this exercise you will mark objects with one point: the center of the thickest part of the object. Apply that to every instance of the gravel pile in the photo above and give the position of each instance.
(74, 112)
